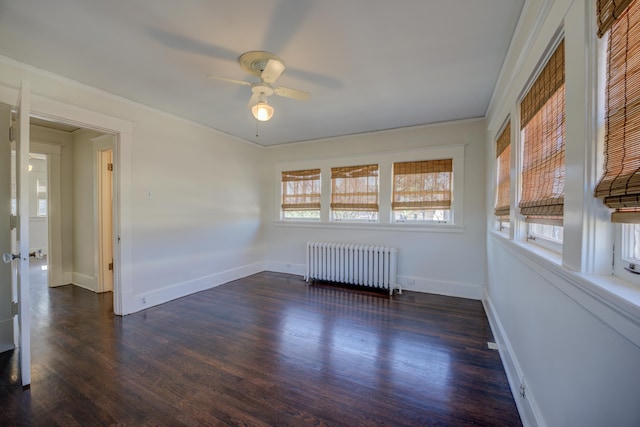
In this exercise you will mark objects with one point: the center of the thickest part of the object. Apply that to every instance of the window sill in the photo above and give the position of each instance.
(426, 228)
(611, 299)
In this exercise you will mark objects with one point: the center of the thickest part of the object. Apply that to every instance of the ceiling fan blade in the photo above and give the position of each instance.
(224, 79)
(287, 92)
(272, 71)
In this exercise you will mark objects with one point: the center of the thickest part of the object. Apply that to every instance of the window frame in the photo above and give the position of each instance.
(393, 195)
(334, 212)
(284, 211)
(523, 231)
(621, 230)
(501, 224)
(385, 160)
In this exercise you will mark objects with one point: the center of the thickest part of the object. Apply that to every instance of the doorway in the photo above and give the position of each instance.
(80, 199)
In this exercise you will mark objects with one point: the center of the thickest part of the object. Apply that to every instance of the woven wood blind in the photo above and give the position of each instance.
(354, 188)
(503, 162)
(608, 12)
(543, 124)
(423, 184)
(619, 186)
(301, 190)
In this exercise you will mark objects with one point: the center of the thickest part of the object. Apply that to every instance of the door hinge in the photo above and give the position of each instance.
(14, 308)
(110, 167)
(11, 133)
(13, 222)
(111, 266)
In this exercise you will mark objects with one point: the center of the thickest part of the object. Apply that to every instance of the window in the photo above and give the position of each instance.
(543, 133)
(422, 191)
(354, 193)
(301, 194)
(619, 186)
(407, 189)
(503, 177)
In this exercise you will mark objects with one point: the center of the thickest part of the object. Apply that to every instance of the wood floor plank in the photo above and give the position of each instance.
(261, 351)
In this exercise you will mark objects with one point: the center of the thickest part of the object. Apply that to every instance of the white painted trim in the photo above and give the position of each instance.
(385, 160)
(182, 289)
(425, 228)
(85, 281)
(441, 287)
(285, 267)
(122, 198)
(527, 407)
(380, 131)
(418, 284)
(500, 102)
(614, 301)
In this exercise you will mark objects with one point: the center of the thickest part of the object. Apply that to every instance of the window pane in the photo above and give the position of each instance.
(422, 190)
(354, 193)
(301, 194)
(439, 215)
(546, 231)
(354, 216)
(543, 133)
(310, 215)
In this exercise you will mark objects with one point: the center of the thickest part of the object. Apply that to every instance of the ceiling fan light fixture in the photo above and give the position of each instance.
(262, 111)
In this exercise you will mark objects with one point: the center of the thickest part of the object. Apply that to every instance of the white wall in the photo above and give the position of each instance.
(564, 331)
(202, 224)
(445, 261)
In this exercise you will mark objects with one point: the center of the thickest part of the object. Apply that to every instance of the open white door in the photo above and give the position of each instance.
(21, 260)
(7, 337)
(105, 218)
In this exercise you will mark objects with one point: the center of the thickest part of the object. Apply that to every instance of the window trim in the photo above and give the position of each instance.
(385, 160)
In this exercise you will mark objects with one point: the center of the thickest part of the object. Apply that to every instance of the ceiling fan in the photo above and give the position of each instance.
(269, 68)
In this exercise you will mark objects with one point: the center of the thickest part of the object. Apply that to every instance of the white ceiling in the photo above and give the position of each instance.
(369, 64)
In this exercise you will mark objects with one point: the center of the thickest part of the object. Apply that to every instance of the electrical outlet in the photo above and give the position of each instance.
(522, 388)
(143, 301)
(411, 282)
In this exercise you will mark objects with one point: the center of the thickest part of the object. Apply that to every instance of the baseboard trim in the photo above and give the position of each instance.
(178, 290)
(285, 267)
(410, 283)
(441, 287)
(527, 407)
(85, 281)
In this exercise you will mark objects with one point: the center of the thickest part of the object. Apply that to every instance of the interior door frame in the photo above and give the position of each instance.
(52, 110)
(117, 284)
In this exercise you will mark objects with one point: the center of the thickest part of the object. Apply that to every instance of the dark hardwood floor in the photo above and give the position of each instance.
(266, 350)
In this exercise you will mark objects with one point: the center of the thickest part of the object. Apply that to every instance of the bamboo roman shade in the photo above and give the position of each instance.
(503, 162)
(422, 185)
(354, 188)
(301, 190)
(608, 12)
(619, 186)
(543, 124)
